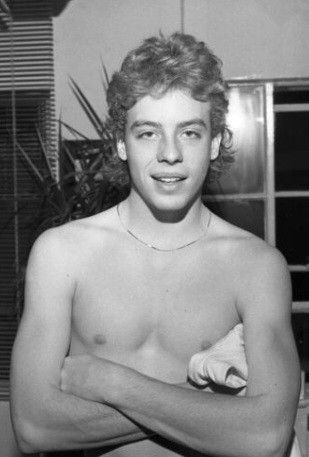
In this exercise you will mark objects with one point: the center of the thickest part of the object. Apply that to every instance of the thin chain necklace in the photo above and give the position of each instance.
(161, 249)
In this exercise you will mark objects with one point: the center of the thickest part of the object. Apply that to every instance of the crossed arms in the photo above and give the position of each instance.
(88, 402)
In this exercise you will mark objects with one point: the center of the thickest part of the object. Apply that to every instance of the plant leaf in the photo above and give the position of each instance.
(44, 151)
(73, 130)
(30, 163)
(87, 107)
(104, 77)
(90, 112)
(68, 153)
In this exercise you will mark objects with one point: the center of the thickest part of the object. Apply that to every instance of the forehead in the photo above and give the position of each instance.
(173, 107)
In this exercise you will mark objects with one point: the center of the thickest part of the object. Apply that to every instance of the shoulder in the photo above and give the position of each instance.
(78, 232)
(257, 271)
(68, 243)
(245, 250)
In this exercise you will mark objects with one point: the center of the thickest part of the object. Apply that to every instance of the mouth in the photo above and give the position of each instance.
(168, 178)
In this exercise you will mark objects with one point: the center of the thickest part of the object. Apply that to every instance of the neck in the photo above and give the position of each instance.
(165, 230)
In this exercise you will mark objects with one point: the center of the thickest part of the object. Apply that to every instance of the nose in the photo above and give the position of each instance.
(170, 151)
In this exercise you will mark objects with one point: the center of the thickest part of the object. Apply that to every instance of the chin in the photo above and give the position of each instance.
(170, 205)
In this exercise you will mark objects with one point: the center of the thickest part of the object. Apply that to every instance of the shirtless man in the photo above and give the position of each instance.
(132, 293)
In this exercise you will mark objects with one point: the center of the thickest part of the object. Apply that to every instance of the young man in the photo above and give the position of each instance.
(132, 293)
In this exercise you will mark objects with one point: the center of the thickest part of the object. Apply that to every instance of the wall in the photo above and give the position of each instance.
(87, 32)
(254, 38)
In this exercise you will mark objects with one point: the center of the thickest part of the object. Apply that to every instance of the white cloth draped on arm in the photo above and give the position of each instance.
(225, 364)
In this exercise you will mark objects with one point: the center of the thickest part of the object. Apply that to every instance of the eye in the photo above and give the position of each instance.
(190, 133)
(147, 135)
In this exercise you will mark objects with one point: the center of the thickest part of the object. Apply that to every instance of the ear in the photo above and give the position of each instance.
(215, 146)
(121, 150)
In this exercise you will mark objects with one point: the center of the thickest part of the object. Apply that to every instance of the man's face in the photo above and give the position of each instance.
(168, 147)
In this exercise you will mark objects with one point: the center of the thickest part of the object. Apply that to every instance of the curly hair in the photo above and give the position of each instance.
(163, 63)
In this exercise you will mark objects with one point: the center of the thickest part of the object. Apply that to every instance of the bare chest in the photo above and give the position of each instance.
(155, 309)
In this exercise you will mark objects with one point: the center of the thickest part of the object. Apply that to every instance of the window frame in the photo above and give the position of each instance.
(269, 195)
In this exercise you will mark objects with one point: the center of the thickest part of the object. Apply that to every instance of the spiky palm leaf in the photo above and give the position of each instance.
(89, 181)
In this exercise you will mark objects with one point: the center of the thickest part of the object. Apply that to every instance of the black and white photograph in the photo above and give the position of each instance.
(154, 228)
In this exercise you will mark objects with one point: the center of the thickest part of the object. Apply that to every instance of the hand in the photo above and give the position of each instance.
(188, 385)
(192, 386)
(92, 378)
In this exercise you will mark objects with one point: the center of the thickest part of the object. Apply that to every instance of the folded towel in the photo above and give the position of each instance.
(225, 364)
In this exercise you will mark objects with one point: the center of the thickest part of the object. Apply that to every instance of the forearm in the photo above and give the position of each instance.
(258, 425)
(64, 422)
(214, 424)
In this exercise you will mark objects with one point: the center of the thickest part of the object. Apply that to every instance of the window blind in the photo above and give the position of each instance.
(26, 103)
(4, 15)
(26, 50)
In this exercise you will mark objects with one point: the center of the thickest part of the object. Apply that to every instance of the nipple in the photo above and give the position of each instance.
(99, 339)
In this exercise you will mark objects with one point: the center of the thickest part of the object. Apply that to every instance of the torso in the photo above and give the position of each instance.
(151, 310)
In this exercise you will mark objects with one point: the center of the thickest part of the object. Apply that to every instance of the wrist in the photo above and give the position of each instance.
(121, 386)
(128, 388)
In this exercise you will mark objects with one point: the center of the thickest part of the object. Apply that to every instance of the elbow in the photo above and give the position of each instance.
(282, 438)
(282, 443)
(29, 438)
(273, 432)
(273, 443)
(32, 427)
(25, 439)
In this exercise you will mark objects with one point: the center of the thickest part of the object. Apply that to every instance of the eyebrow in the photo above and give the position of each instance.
(144, 123)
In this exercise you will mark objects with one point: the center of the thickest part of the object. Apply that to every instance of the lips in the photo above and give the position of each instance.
(168, 177)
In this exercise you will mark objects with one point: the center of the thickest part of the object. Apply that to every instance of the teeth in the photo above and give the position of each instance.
(168, 179)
